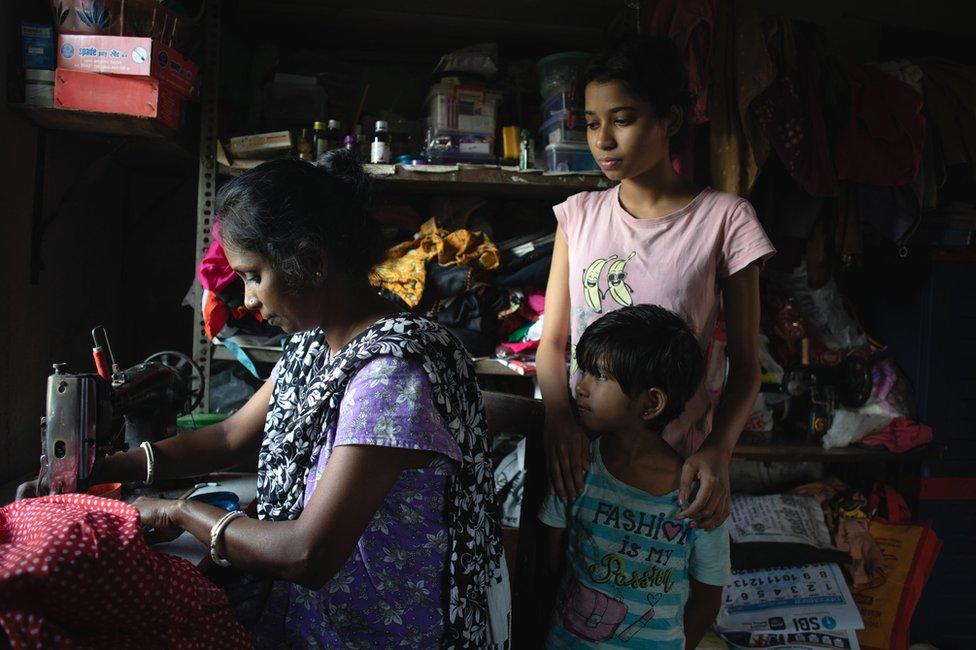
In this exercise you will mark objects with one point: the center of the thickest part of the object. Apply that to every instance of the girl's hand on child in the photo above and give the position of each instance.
(567, 455)
(711, 505)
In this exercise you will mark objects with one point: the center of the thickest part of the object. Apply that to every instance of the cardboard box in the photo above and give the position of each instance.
(128, 55)
(106, 93)
(38, 46)
(260, 145)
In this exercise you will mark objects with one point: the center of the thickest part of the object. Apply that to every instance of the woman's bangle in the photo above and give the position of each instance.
(217, 531)
(150, 461)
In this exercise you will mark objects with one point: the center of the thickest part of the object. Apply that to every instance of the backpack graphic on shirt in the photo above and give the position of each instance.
(617, 286)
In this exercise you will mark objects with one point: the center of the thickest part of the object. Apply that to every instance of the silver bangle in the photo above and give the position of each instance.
(217, 531)
(150, 461)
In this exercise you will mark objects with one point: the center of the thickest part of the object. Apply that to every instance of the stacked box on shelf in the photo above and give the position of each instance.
(564, 127)
(125, 75)
(564, 99)
(461, 124)
(38, 50)
(104, 93)
(570, 157)
(564, 132)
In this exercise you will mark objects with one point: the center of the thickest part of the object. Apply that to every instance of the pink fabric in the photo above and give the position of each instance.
(537, 302)
(900, 435)
(75, 572)
(215, 272)
(674, 261)
(518, 348)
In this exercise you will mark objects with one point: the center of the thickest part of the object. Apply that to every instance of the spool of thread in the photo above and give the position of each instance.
(510, 142)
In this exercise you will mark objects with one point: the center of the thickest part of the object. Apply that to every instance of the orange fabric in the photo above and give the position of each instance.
(404, 271)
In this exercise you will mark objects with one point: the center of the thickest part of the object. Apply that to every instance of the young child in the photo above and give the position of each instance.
(635, 574)
(655, 238)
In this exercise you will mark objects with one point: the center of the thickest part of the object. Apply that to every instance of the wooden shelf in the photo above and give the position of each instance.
(144, 145)
(489, 367)
(783, 449)
(491, 181)
(59, 119)
(271, 355)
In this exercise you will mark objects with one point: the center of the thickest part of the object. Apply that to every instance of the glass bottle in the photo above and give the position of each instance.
(380, 149)
(320, 136)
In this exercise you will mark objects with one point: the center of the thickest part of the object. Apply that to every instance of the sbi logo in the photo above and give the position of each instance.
(139, 55)
(67, 50)
(813, 624)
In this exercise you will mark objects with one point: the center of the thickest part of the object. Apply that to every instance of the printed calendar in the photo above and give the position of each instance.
(805, 599)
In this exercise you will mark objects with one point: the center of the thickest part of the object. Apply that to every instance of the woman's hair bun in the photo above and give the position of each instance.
(343, 166)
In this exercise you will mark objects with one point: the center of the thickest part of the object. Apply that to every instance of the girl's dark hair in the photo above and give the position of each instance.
(297, 215)
(651, 68)
(644, 347)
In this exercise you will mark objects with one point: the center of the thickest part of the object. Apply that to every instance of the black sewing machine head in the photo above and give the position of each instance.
(816, 391)
(91, 415)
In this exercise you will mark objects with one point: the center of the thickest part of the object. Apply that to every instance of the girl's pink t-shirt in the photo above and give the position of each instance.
(674, 261)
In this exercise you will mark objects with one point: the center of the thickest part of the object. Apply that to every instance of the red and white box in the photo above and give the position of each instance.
(109, 93)
(128, 55)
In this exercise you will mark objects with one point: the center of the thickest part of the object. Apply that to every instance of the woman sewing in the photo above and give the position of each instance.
(376, 507)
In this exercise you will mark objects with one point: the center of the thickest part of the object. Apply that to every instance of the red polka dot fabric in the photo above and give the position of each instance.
(75, 572)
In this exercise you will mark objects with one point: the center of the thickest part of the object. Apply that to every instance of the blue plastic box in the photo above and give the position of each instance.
(570, 158)
(564, 127)
(564, 99)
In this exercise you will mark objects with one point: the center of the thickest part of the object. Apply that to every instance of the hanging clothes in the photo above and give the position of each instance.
(75, 571)
(791, 111)
(882, 143)
(742, 70)
(691, 25)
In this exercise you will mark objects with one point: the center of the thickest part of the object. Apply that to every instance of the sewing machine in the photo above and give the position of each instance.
(816, 391)
(91, 415)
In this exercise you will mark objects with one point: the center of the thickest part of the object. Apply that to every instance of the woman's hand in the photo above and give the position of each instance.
(158, 519)
(568, 456)
(711, 506)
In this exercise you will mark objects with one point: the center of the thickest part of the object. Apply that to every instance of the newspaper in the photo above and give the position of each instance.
(811, 598)
(843, 640)
(778, 518)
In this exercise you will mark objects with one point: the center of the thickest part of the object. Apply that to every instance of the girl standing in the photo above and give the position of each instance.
(655, 238)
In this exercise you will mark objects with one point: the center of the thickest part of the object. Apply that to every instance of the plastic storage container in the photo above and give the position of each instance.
(562, 99)
(570, 158)
(449, 147)
(564, 126)
(558, 71)
(466, 109)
